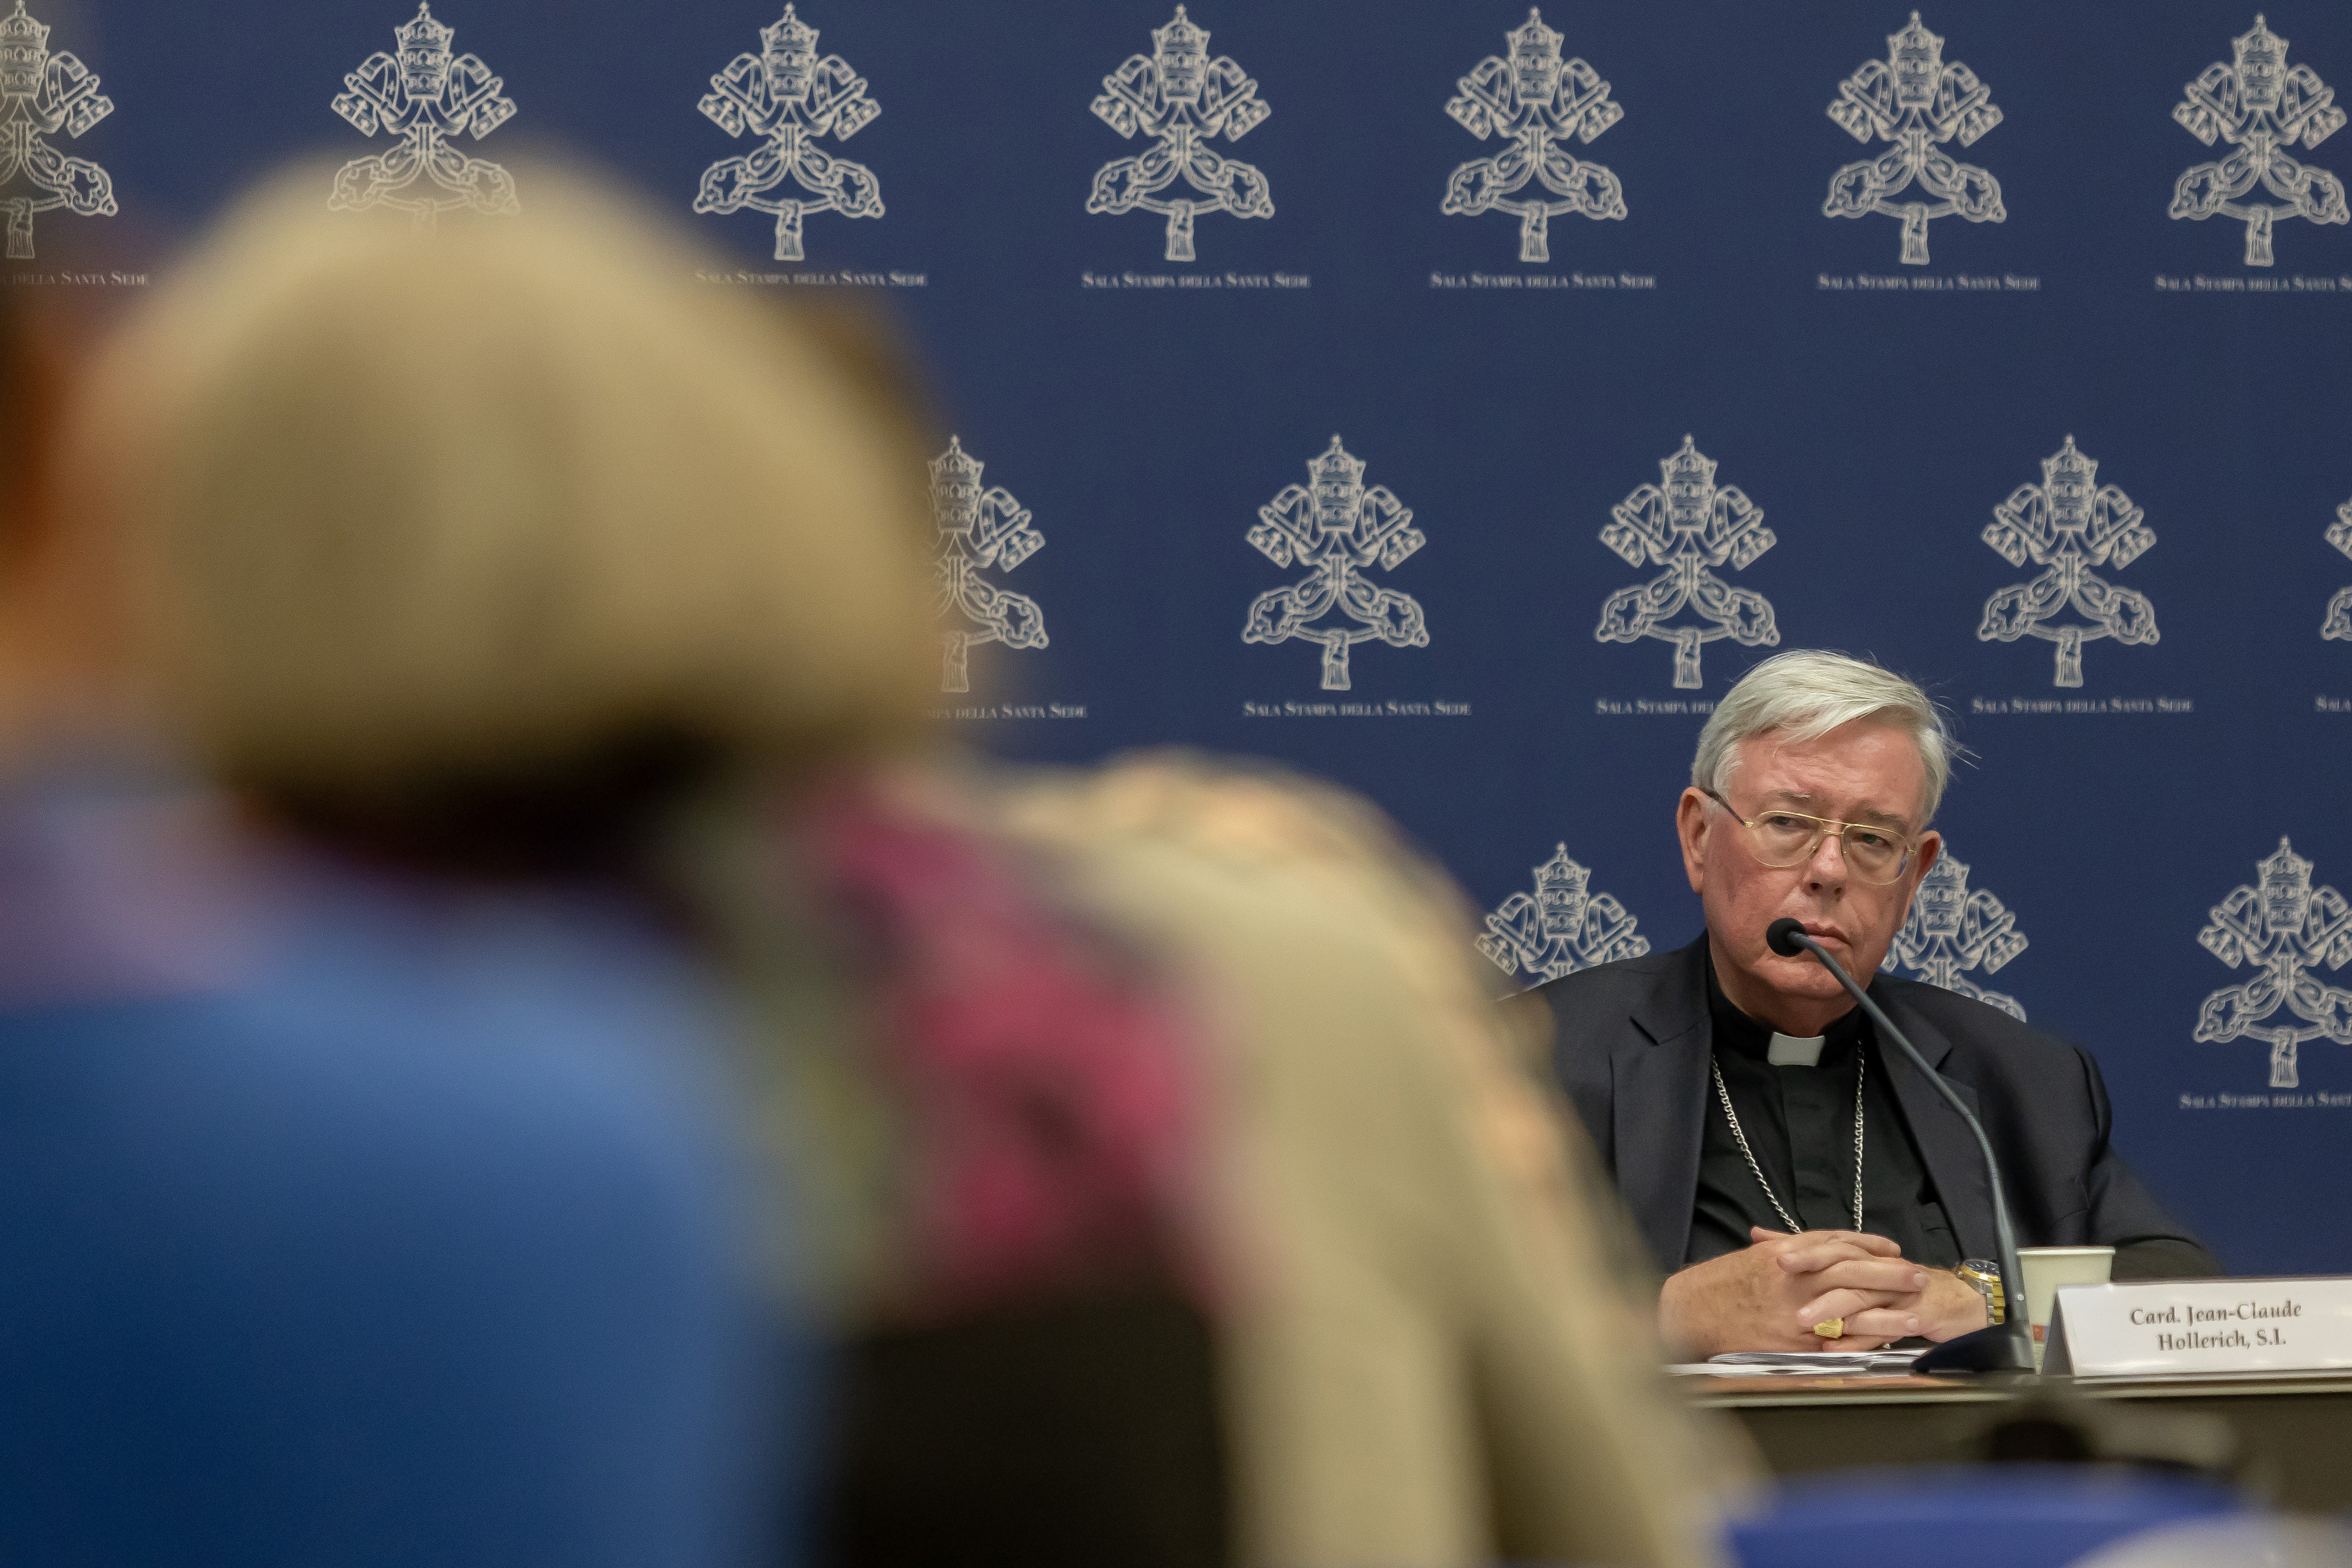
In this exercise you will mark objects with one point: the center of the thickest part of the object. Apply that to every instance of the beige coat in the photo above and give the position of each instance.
(1430, 1358)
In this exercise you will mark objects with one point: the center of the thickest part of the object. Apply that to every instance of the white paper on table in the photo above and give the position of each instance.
(1800, 1363)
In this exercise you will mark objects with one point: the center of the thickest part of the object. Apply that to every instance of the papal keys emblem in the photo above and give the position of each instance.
(2283, 928)
(1916, 101)
(2067, 527)
(1183, 101)
(1540, 105)
(1951, 931)
(425, 99)
(980, 529)
(789, 98)
(41, 94)
(1562, 927)
(1689, 526)
(2337, 625)
(2261, 108)
(1339, 530)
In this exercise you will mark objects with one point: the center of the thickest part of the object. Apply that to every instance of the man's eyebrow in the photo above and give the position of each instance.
(1868, 817)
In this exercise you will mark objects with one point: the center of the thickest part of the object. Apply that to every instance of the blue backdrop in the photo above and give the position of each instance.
(1926, 343)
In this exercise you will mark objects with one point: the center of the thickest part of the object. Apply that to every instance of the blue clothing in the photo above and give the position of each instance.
(351, 1218)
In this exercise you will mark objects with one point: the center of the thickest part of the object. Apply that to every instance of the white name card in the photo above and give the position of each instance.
(2176, 1327)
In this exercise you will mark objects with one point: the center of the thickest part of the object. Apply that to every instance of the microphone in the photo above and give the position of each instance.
(1998, 1347)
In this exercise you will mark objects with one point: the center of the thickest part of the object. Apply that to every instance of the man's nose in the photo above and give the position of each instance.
(1828, 864)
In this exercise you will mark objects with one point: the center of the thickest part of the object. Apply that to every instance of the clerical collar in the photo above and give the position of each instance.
(1737, 1030)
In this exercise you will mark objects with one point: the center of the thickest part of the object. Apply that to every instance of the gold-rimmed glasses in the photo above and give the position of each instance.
(1873, 852)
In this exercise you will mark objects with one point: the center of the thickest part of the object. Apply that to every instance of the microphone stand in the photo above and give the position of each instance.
(2005, 1346)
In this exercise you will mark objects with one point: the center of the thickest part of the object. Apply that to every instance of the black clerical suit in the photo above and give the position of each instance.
(1632, 1046)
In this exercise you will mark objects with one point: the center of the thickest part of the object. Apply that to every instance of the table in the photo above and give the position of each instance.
(2294, 1434)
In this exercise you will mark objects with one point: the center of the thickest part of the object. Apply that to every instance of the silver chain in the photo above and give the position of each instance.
(1861, 1064)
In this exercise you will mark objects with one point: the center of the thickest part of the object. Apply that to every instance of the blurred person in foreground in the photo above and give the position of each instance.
(368, 1177)
(513, 565)
(1432, 1359)
(1041, 1221)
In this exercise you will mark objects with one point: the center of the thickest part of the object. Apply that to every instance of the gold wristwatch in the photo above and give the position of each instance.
(1985, 1279)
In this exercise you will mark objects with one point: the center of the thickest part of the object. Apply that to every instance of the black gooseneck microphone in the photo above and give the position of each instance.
(1998, 1347)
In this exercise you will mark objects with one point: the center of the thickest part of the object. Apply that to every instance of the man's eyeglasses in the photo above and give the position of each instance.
(1778, 839)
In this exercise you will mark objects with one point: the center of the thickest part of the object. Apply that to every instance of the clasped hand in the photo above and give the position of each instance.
(1770, 1295)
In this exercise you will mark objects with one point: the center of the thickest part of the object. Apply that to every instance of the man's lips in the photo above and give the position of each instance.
(1823, 932)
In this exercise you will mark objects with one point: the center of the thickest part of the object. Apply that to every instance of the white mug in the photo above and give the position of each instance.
(2048, 1268)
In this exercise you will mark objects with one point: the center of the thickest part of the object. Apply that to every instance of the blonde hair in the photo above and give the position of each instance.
(482, 504)
(1807, 692)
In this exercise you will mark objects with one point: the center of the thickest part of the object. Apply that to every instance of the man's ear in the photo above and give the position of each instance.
(1924, 858)
(1692, 822)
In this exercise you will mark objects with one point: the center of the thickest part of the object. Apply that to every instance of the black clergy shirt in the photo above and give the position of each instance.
(1799, 1125)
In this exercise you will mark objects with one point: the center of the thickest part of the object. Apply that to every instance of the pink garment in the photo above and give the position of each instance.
(1045, 1079)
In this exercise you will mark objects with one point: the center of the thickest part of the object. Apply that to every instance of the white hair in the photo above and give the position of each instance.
(1805, 694)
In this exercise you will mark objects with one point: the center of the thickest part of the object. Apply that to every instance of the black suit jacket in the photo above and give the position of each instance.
(1632, 1041)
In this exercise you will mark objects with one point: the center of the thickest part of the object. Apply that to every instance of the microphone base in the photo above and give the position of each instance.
(1999, 1347)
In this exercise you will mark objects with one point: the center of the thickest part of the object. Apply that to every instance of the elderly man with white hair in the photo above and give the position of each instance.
(1802, 1187)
